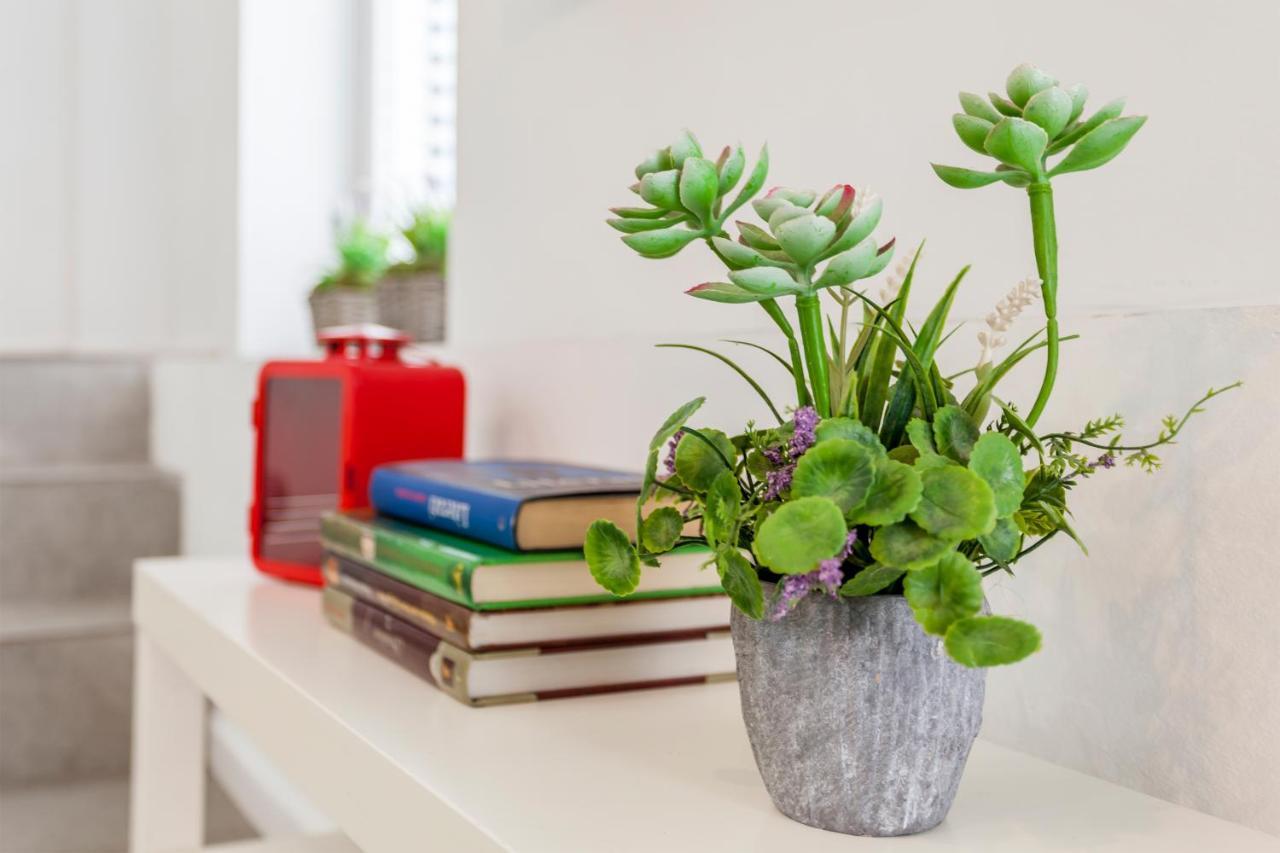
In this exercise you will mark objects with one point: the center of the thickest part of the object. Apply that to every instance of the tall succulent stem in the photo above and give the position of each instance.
(1045, 236)
(810, 311)
(774, 310)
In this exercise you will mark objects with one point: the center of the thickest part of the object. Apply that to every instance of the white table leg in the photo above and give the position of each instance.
(167, 786)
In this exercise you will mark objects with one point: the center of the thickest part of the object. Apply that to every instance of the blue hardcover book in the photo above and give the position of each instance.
(523, 506)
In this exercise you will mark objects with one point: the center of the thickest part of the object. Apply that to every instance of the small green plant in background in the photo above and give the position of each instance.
(428, 235)
(888, 477)
(362, 258)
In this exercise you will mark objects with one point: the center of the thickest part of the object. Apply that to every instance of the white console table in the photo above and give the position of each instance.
(400, 767)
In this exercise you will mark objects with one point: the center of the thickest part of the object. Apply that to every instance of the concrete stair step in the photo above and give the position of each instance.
(74, 410)
(73, 531)
(92, 816)
(65, 696)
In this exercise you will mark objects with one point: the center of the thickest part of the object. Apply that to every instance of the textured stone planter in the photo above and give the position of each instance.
(859, 721)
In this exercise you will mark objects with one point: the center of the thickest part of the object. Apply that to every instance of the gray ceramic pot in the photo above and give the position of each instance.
(859, 721)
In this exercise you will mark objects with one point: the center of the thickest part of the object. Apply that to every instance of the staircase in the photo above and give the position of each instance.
(79, 501)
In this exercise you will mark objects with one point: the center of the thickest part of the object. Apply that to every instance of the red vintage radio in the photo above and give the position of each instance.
(323, 425)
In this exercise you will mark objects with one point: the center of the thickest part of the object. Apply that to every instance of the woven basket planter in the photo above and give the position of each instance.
(342, 306)
(413, 302)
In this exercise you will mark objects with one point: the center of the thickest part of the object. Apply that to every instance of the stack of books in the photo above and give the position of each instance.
(471, 575)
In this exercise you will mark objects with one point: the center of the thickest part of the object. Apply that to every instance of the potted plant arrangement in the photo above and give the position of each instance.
(411, 295)
(853, 534)
(345, 295)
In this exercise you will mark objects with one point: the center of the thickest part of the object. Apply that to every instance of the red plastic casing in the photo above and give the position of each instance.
(321, 427)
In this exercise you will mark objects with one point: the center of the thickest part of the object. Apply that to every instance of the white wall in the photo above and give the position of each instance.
(1158, 668)
(121, 151)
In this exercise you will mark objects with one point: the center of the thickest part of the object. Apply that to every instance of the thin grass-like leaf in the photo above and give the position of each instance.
(785, 364)
(875, 390)
(755, 385)
(974, 398)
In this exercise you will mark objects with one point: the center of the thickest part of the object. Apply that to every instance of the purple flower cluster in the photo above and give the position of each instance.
(828, 577)
(803, 436)
(670, 462)
(1106, 460)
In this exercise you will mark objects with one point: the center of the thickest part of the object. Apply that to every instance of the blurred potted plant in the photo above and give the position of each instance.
(411, 297)
(854, 534)
(345, 295)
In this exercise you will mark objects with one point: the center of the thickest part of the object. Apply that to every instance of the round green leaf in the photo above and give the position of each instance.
(1018, 142)
(955, 504)
(1051, 109)
(1100, 145)
(972, 131)
(1003, 542)
(947, 591)
(851, 429)
(804, 237)
(996, 460)
(697, 463)
(611, 559)
(974, 105)
(1025, 81)
(800, 534)
(720, 512)
(660, 189)
(840, 469)
(661, 529)
(662, 243)
(906, 454)
(870, 580)
(954, 432)
(699, 185)
(740, 582)
(991, 640)
(906, 546)
(921, 436)
(894, 493)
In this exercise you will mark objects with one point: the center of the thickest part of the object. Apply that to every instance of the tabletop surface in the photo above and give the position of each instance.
(395, 762)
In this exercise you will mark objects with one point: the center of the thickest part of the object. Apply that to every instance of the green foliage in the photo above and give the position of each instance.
(701, 456)
(839, 469)
(944, 592)
(362, 258)
(611, 559)
(954, 504)
(428, 234)
(870, 580)
(890, 473)
(990, 640)
(661, 529)
(997, 461)
(799, 534)
(905, 545)
(954, 433)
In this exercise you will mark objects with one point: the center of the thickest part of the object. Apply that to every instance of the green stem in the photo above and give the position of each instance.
(810, 311)
(1044, 233)
(774, 310)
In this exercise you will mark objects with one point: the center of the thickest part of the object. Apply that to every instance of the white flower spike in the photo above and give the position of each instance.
(1007, 310)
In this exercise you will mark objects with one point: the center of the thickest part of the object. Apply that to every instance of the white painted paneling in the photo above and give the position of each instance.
(296, 162)
(559, 98)
(36, 205)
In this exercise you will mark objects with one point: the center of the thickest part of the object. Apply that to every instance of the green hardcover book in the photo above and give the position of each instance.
(484, 577)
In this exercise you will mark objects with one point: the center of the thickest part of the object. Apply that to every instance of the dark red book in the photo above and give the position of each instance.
(534, 673)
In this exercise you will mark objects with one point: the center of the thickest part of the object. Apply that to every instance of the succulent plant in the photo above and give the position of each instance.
(808, 243)
(1038, 120)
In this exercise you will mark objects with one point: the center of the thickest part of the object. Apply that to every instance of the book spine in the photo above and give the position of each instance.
(464, 512)
(445, 619)
(416, 561)
(426, 656)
